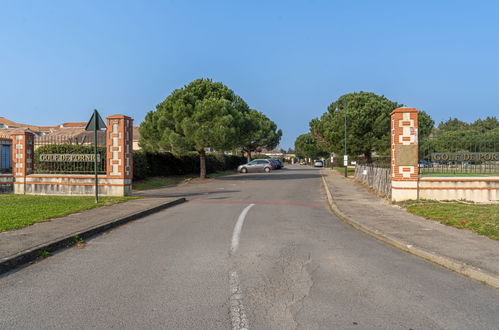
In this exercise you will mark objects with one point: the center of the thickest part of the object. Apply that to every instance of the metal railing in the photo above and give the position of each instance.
(69, 154)
(445, 156)
(6, 188)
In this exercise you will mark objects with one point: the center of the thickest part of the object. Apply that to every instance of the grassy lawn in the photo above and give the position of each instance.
(479, 218)
(18, 211)
(157, 182)
(341, 170)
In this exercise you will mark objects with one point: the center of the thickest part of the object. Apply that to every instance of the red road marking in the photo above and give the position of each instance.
(258, 203)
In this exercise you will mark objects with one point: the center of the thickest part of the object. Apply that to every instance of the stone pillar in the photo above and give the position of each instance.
(119, 155)
(22, 158)
(404, 153)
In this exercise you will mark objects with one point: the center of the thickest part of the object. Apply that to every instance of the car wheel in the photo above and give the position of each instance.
(267, 169)
(244, 170)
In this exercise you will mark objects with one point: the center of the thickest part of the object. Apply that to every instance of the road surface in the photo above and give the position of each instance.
(258, 251)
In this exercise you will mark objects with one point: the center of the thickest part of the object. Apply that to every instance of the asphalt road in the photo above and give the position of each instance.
(285, 262)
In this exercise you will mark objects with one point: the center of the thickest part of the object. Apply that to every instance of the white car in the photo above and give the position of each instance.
(318, 163)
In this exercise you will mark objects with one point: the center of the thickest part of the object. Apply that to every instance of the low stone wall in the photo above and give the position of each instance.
(474, 189)
(377, 178)
(119, 165)
(83, 185)
(6, 183)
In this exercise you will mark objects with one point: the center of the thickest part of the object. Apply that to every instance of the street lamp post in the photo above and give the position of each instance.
(345, 162)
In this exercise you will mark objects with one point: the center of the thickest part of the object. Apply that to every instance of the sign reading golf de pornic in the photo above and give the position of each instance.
(464, 156)
(69, 158)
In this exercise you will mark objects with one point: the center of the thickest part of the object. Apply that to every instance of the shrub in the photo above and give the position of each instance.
(147, 164)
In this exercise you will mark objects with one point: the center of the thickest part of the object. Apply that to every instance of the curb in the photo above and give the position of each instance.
(31, 254)
(446, 262)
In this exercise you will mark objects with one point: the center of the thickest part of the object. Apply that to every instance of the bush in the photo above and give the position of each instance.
(141, 168)
(147, 164)
(259, 156)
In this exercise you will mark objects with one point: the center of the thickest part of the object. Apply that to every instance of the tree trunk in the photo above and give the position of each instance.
(202, 164)
(248, 156)
(368, 157)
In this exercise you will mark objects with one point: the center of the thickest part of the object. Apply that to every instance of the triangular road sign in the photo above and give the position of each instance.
(95, 123)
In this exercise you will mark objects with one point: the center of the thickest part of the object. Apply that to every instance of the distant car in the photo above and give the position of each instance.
(319, 163)
(423, 163)
(257, 165)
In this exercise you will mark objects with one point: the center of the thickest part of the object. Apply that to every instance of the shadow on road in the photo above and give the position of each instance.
(164, 193)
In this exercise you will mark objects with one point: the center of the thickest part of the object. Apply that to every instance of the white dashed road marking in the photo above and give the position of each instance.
(237, 314)
(237, 229)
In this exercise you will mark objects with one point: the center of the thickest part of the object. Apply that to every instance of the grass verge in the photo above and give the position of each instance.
(158, 182)
(479, 218)
(18, 211)
(341, 170)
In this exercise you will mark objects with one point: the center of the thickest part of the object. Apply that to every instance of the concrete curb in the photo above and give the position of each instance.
(31, 254)
(446, 262)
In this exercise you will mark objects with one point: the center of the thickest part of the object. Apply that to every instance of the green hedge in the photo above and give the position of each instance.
(166, 164)
(68, 167)
(259, 156)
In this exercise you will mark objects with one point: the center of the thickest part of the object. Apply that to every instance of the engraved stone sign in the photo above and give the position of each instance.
(406, 155)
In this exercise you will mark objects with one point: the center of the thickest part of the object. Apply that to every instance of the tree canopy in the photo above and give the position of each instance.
(200, 115)
(258, 132)
(455, 135)
(307, 147)
(368, 125)
(456, 125)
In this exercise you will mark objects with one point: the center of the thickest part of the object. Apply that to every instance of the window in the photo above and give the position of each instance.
(5, 156)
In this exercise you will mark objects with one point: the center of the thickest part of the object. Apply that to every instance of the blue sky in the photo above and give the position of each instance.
(288, 59)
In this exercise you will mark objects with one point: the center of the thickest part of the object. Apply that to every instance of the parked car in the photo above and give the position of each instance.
(318, 163)
(275, 166)
(277, 163)
(256, 165)
(281, 163)
(423, 163)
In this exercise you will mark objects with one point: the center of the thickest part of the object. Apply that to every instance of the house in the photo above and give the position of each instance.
(72, 132)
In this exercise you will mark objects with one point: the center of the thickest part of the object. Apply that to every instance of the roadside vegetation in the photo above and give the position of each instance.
(479, 218)
(158, 182)
(20, 211)
(341, 170)
(364, 118)
(368, 128)
(206, 115)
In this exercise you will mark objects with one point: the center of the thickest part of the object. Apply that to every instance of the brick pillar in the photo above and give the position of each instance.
(22, 158)
(404, 153)
(119, 155)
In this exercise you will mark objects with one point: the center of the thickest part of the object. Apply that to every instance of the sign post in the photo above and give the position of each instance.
(94, 124)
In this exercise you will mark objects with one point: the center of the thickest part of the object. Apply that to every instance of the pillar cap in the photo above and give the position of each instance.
(404, 109)
(118, 117)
